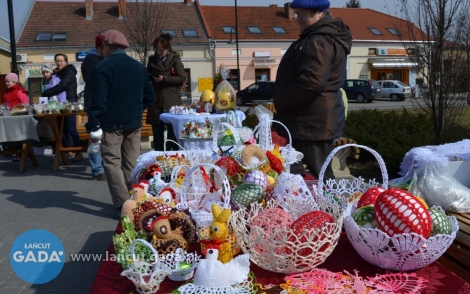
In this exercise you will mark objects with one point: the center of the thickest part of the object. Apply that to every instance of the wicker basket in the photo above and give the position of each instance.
(194, 187)
(283, 250)
(401, 252)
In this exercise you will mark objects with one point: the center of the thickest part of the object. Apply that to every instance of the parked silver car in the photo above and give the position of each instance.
(395, 90)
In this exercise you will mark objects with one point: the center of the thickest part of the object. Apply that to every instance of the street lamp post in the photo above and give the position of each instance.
(11, 23)
(236, 40)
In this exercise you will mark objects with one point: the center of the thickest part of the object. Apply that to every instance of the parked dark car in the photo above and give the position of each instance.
(186, 97)
(256, 91)
(361, 90)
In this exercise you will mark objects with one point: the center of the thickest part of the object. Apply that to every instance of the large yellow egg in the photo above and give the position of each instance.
(208, 96)
(225, 101)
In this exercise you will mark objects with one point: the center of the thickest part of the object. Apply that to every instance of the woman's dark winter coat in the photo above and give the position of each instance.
(68, 83)
(168, 92)
(306, 95)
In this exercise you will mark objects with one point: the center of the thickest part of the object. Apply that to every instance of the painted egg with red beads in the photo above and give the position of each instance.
(398, 211)
(369, 196)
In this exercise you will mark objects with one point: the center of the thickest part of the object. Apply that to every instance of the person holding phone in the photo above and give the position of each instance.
(167, 76)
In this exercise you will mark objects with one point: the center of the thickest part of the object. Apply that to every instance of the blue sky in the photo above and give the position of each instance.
(21, 7)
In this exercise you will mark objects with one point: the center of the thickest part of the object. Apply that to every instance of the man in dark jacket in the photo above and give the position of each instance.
(91, 60)
(307, 93)
(121, 90)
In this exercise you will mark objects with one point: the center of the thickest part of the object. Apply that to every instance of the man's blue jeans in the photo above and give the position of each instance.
(96, 164)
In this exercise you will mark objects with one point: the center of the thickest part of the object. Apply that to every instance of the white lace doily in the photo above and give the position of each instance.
(439, 155)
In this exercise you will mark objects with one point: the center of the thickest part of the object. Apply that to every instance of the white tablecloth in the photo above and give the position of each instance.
(18, 128)
(177, 121)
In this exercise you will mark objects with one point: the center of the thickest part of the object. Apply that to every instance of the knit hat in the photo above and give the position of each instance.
(115, 39)
(321, 5)
(46, 67)
(11, 77)
(99, 41)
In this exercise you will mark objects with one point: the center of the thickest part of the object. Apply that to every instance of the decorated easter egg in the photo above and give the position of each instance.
(398, 211)
(225, 100)
(270, 194)
(230, 165)
(440, 222)
(207, 96)
(369, 196)
(246, 194)
(311, 221)
(273, 222)
(364, 217)
(256, 177)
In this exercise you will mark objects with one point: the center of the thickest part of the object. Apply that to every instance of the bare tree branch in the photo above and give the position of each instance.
(144, 21)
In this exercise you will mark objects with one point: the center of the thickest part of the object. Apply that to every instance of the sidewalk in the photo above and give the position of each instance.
(67, 203)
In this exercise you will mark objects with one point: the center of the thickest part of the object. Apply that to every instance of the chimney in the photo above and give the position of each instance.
(122, 9)
(289, 12)
(188, 2)
(89, 9)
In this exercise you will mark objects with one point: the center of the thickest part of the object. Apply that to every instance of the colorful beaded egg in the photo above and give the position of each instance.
(316, 219)
(246, 194)
(370, 196)
(272, 221)
(440, 222)
(256, 177)
(398, 211)
(364, 217)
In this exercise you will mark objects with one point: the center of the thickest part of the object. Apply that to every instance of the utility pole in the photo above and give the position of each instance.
(11, 22)
(236, 38)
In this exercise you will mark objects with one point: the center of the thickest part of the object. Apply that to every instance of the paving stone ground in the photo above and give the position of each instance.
(67, 203)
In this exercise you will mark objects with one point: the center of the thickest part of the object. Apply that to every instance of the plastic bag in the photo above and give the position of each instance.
(260, 109)
(438, 187)
(225, 96)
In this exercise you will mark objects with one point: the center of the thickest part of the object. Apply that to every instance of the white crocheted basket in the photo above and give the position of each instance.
(283, 251)
(174, 260)
(146, 276)
(194, 188)
(402, 252)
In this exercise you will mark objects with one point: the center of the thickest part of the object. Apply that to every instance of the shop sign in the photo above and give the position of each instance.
(80, 56)
(262, 54)
(391, 51)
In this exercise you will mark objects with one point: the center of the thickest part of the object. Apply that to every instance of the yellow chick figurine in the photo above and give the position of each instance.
(219, 232)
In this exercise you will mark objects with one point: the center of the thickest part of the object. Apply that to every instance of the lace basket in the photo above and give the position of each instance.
(174, 260)
(282, 250)
(402, 252)
(146, 277)
(194, 193)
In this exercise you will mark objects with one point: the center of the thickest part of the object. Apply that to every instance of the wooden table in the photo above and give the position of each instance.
(56, 122)
(21, 128)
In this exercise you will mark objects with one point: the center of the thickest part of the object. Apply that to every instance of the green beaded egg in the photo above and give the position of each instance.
(364, 217)
(246, 194)
(440, 222)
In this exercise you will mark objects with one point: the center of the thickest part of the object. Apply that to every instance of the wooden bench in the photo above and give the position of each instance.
(457, 257)
(145, 131)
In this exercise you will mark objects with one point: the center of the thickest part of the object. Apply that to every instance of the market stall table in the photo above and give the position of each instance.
(343, 258)
(177, 121)
(56, 121)
(21, 128)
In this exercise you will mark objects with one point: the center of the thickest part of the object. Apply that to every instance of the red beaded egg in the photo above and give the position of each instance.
(311, 220)
(370, 196)
(398, 211)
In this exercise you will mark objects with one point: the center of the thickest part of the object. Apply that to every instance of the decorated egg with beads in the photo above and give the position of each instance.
(369, 196)
(313, 220)
(364, 217)
(398, 211)
(273, 222)
(246, 194)
(256, 177)
(440, 222)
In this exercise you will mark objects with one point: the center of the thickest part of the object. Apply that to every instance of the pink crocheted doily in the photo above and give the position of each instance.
(324, 281)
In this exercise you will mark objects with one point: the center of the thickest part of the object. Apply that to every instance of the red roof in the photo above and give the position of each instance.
(358, 19)
(69, 17)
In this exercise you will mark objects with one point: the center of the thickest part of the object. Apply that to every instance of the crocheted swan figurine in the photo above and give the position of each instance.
(212, 276)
